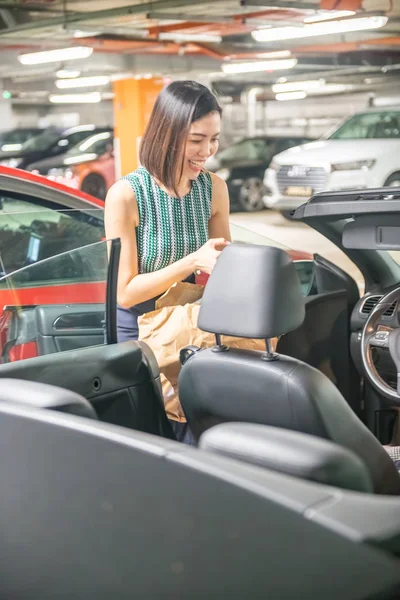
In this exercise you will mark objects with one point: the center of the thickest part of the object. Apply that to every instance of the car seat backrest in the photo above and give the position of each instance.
(90, 511)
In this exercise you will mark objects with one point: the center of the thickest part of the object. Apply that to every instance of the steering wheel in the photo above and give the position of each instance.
(387, 337)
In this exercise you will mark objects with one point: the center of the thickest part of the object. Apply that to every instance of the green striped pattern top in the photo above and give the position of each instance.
(169, 228)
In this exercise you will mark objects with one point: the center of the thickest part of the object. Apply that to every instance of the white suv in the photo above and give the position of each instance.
(364, 152)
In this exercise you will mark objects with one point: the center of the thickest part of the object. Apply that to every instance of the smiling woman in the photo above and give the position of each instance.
(166, 211)
(170, 214)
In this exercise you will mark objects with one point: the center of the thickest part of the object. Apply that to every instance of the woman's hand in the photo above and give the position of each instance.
(206, 257)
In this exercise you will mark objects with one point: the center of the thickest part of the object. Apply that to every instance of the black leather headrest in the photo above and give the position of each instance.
(253, 292)
(290, 452)
(42, 395)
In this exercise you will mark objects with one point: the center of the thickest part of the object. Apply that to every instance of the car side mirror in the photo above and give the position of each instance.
(306, 272)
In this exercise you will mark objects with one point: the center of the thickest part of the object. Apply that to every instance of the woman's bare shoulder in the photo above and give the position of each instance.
(121, 201)
(120, 191)
(217, 183)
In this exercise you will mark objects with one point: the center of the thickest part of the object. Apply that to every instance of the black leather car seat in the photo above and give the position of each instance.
(254, 292)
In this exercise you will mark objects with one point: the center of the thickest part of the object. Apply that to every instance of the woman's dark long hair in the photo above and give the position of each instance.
(176, 108)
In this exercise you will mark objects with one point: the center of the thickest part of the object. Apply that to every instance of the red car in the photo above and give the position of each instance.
(40, 219)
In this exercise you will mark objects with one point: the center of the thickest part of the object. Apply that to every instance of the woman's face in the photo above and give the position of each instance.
(202, 142)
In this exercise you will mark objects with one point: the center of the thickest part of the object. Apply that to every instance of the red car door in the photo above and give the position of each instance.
(38, 220)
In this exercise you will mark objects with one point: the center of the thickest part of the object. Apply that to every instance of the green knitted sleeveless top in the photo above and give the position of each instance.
(169, 228)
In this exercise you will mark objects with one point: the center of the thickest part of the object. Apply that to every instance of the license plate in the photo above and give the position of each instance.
(298, 190)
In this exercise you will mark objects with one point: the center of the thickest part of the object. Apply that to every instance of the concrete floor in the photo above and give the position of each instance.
(296, 236)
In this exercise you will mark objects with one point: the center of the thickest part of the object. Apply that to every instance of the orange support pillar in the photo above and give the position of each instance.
(133, 102)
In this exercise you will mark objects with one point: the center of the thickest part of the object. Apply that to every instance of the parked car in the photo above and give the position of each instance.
(363, 152)
(40, 219)
(13, 139)
(243, 164)
(52, 142)
(89, 166)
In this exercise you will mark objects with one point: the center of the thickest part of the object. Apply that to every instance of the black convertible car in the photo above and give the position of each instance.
(292, 490)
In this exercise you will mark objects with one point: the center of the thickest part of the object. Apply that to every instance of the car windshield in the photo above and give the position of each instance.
(303, 262)
(371, 125)
(42, 141)
(251, 149)
(12, 141)
(95, 144)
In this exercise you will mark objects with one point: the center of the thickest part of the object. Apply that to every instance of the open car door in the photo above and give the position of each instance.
(70, 342)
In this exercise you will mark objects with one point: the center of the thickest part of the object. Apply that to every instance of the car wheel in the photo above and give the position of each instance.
(251, 195)
(94, 185)
(393, 180)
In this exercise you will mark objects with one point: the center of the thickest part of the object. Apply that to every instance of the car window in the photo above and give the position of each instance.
(248, 236)
(96, 144)
(373, 125)
(54, 305)
(75, 138)
(42, 141)
(31, 232)
(11, 141)
(255, 149)
(285, 144)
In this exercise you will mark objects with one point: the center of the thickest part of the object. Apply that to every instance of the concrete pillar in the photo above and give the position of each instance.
(133, 102)
(6, 114)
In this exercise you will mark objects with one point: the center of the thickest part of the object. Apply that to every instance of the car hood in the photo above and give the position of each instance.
(336, 151)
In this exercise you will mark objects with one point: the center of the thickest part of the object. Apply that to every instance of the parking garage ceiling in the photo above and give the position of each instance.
(181, 38)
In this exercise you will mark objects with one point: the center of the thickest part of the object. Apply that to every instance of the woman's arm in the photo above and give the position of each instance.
(121, 219)
(218, 225)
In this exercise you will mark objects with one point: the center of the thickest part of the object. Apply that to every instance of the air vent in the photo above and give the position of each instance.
(370, 303)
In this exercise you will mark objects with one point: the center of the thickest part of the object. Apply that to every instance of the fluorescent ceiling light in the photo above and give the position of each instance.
(326, 28)
(61, 54)
(292, 86)
(190, 37)
(329, 88)
(277, 54)
(291, 96)
(75, 98)
(386, 101)
(67, 74)
(255, 66)
(64, 84)
(328, 15)
(81, 34)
